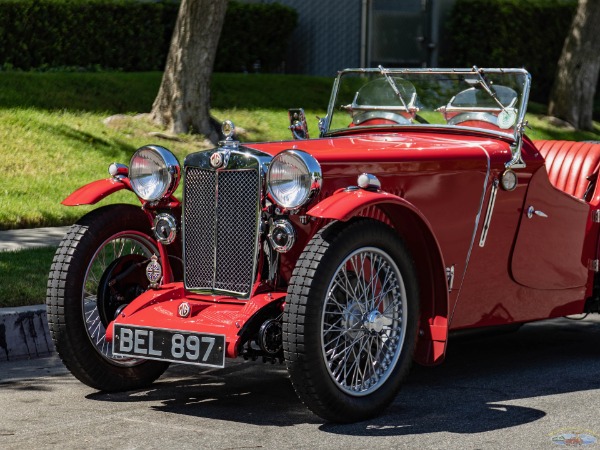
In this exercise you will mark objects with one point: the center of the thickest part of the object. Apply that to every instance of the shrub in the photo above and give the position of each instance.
(255, 32)
(131, 36)
(510, 33)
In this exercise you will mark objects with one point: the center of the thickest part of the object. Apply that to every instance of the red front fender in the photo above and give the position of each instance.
(345, 204)
(414, 226)
(94, 192)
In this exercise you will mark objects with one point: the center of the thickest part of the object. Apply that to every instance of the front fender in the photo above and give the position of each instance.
(343, 205)
(95, 191)
(410, 223)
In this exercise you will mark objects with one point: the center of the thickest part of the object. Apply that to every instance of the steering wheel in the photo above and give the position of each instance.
(473, 117)
(380, 118)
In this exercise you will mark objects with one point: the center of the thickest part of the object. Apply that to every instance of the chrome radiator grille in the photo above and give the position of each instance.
(220, 229)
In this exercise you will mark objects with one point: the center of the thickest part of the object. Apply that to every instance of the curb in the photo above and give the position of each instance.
(24, 333)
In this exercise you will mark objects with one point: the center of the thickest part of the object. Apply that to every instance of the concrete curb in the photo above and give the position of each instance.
(24, 330)
(24, 333)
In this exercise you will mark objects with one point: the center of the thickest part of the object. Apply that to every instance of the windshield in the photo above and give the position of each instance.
(493, 100)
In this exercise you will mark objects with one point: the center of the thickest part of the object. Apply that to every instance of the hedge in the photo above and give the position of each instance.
(510, 33)
(131, 36)
(255, 32)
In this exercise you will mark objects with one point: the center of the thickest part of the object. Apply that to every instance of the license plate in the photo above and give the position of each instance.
(169, 345)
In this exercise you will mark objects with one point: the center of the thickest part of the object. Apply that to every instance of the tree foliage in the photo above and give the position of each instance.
(509, 33)
(572, 97)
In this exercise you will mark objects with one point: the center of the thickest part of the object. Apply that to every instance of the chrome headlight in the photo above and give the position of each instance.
(154, 172)
(294, 177)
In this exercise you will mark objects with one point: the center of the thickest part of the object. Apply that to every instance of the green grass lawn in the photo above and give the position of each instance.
(53, 140)
(23, 276)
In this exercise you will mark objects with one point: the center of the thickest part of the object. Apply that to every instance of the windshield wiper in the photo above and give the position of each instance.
(390, 80)
(486, 87)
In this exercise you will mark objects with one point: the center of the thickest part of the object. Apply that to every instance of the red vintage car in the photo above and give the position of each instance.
(421, 208)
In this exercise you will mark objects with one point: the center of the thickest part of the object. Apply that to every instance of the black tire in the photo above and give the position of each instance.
(332, 336)
(107, 240)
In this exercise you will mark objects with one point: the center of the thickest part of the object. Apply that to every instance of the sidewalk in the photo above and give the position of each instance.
(30, 238)
(24, 330)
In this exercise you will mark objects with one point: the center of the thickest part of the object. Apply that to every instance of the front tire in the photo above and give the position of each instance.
(350, 320)
(98, 268)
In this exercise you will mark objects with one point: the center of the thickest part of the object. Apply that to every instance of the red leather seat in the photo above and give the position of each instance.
(570, 164)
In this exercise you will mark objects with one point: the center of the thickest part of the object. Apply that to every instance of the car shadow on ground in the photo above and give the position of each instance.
(478, 388)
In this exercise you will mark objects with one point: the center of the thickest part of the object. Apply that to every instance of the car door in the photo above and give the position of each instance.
(549, 244)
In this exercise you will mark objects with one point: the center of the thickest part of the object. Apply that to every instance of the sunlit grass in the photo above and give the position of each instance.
(45, 156)
(54, 138)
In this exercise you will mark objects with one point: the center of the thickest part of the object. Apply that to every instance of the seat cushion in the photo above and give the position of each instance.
(570, 165)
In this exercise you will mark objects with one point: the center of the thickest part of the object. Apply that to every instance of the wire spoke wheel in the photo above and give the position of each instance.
(363, 324)
(98, 269)
(120, 245)
(350, 321)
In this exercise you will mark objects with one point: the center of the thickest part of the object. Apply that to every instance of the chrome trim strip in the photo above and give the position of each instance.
(488, 214)
(477, 217)
(517, 160)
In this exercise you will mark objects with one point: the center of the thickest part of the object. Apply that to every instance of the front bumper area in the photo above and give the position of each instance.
(209, 314)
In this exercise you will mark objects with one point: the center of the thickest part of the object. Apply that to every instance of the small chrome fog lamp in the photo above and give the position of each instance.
(282, 235)
(165, 228)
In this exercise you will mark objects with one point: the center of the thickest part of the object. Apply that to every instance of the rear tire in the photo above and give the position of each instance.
(109, 241)
(349, 326)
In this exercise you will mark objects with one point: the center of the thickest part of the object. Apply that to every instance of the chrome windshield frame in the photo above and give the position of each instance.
(516, 135)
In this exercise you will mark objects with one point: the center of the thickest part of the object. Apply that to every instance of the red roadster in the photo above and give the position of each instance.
(421, 208)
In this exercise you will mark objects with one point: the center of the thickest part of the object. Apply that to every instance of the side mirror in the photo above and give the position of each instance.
(298, 124)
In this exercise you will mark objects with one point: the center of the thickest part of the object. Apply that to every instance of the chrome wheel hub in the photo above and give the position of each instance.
(376, 322)
(352, 320)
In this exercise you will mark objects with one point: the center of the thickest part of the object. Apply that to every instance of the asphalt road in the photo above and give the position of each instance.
(507, 391)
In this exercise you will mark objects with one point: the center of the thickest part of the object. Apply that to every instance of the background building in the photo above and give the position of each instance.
(335, 34)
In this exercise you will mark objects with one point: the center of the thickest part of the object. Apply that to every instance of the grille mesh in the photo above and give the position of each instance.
(220, 219)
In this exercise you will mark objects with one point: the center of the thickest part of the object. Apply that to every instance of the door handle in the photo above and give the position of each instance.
(531, 211)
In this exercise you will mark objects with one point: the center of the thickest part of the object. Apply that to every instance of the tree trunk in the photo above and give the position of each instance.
(183, 101)
(572, 95)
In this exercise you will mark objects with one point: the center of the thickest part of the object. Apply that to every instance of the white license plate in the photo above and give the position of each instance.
(169, 345)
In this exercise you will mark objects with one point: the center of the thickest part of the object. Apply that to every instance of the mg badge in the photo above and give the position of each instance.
(216, 160)
(184, 309)
(153, 272)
